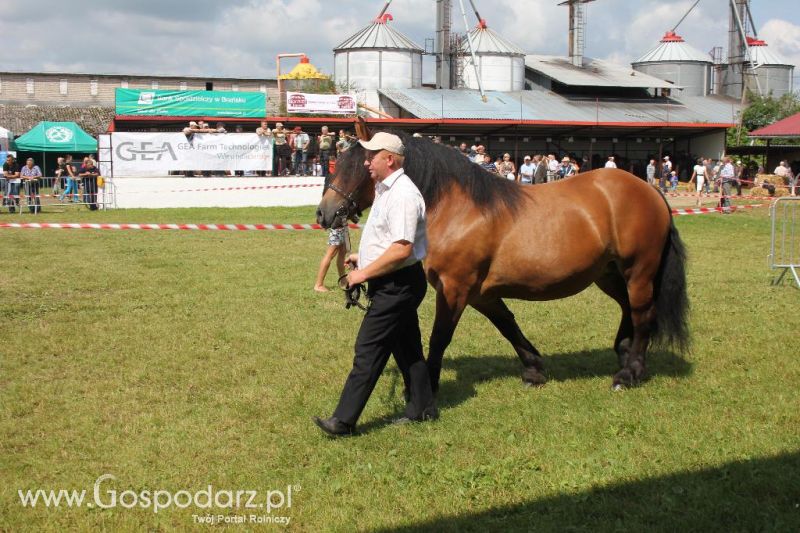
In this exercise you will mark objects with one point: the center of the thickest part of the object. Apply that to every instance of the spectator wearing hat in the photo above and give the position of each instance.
(666, 172)
(393, 245)
(526, 171)
(566, 169)
(610, 163)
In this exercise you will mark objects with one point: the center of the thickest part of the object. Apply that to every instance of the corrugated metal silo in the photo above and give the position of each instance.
(501, 64)
(676, 61)
(775, 75)
(378, 57)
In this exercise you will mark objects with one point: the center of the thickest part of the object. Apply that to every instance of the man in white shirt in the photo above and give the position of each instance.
(610, 163)
(526, 171)
(728, 175)
(393, 244)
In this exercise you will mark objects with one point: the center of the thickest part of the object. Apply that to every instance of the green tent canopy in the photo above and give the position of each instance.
(63, 137)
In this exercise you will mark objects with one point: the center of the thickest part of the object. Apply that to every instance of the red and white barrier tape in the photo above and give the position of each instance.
(196, 227)
(707, 210)
(716, 195)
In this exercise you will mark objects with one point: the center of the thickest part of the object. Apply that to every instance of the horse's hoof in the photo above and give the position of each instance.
(533, 378)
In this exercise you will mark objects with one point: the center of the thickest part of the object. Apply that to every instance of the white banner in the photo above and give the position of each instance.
(155, 154)
(328, 104)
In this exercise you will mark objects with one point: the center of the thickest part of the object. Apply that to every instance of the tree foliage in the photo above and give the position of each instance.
(762, 111)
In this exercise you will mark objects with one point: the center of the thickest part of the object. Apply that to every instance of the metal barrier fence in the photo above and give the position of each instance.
(50, 192)
(785, 246)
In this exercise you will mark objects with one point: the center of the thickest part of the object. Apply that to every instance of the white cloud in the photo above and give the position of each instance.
(784, 38)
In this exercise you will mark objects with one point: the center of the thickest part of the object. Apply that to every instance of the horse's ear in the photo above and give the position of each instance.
(362, 129)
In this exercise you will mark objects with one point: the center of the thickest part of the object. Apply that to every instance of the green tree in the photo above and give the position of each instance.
(762, 111)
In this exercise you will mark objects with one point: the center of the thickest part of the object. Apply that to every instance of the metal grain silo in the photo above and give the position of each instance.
(675, 61)
(775, 75)
(500, 63)
(378, 57)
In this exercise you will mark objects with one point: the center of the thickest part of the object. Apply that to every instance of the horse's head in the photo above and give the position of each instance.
(350, 189)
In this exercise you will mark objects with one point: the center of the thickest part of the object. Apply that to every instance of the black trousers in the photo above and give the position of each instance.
(32, 194)
(391, 326)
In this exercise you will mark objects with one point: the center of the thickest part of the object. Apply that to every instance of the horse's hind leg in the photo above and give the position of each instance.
(643, 314)
(613, 284)
(503, 319)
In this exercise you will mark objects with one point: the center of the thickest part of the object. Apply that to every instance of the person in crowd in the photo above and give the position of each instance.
(325, 142)
(565, 170)
(709, 164)
(666, 172)
(89, 174)
(72, 181)
(283, 151)
(539, 169)
(783, 171)
(611, 163)
(263, 129)
(480, 154)
(59, 176)
(220, 128)
(464, 149)
(699, 177)
(586, 164)
(344, 142)
(30, 175)
(393, 244)
(673, 181)
(300, 143)
(552, 167)
(739, 177)
(488, 164)
(507, 168)
(337, 248)
(716, 174)
(651, 172)
(11, 173)
(526, 171)
(727, 175)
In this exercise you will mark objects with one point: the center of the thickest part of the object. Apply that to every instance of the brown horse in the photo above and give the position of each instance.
(490, 238)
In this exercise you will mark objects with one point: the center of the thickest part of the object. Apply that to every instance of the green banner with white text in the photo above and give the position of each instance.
(143, 102)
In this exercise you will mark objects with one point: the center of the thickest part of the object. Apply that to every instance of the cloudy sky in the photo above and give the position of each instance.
(239, 38)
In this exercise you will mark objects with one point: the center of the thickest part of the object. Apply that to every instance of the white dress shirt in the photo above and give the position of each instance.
(397, 214)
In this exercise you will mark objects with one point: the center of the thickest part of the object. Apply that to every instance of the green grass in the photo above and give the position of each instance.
(176, 359)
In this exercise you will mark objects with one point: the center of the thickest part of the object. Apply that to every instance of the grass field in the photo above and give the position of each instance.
(174, 360)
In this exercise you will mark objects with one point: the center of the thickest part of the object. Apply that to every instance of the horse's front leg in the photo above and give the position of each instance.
(503, 319)
(450, 303)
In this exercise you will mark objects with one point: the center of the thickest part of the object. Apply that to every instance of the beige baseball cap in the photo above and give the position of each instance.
(384, 141)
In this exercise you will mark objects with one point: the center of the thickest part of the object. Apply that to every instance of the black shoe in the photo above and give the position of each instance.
(333, 426)
(431, 413)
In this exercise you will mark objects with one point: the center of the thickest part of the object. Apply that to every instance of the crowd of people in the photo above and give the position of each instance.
(77, 185)
(296, 152)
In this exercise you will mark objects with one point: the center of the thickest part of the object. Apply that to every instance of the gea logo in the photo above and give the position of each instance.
(297, 100)
(145, 151)
(346, 102)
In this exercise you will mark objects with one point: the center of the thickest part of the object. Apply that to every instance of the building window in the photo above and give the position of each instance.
(234, 86)
(209, 86)
(154, 85)
(62, 87)
(29, 86)
(124, 84)
(93, 87)
(184, 86)
(263, 88)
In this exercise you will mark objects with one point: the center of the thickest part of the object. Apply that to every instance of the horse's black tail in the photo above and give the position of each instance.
(672, 303)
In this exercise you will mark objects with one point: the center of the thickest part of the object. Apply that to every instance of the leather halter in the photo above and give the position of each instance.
(349, 207)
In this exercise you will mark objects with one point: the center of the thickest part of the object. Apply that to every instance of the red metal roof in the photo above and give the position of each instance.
(788, 127)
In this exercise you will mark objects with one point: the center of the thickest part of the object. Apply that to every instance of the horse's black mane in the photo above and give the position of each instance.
(434, 168)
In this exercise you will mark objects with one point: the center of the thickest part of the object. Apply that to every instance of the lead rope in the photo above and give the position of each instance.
(352, 295)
